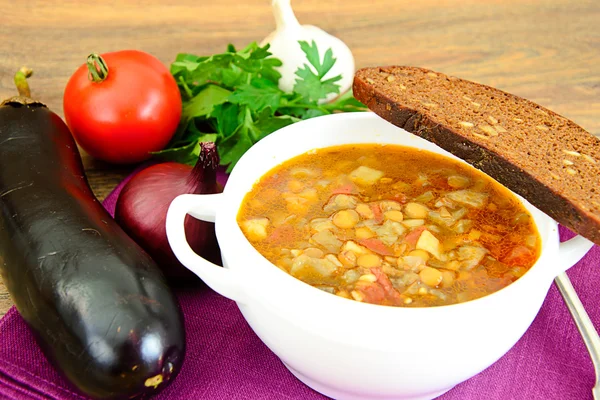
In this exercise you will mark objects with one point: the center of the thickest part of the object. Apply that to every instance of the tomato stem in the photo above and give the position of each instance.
(21, 81)
(98, 70)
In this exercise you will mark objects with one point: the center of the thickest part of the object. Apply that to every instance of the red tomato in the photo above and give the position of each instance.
(133, 111)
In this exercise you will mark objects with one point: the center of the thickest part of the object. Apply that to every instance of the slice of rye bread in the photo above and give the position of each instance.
(544, 157)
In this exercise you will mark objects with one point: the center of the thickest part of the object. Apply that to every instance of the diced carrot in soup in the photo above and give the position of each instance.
(347, 188)
(520, 255)
(282, 234)
(385, 282)
(414, 235)
(399, 197)
(376, 246)
(371, 293)
(377, 213)
(403, 228)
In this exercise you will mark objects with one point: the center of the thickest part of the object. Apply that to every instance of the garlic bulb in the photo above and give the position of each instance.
(284, 45)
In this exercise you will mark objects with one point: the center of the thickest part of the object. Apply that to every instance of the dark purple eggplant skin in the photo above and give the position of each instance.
(98, 305)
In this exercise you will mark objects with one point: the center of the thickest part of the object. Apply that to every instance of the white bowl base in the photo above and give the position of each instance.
(341, 395)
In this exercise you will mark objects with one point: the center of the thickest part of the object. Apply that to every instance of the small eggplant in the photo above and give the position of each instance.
(98, 305)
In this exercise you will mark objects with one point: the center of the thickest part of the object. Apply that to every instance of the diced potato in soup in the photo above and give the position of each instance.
(429, 243)
(365, 175)
(402, 228)
(256, 228)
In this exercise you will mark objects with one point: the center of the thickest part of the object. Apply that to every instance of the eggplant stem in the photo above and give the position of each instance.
(21, 81)
(98, 70)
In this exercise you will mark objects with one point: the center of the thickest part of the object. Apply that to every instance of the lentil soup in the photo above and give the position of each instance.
(390, 225)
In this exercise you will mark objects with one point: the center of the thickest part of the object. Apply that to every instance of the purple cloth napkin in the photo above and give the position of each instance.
(226, 360)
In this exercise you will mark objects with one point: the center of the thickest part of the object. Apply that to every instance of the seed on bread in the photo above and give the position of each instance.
(429, 105)
(488, 129)
(568, 162)
(466, 124)
(572, 153)
(484, 137)
(588, 158)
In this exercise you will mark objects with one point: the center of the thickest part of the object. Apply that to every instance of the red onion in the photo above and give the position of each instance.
(142, 205)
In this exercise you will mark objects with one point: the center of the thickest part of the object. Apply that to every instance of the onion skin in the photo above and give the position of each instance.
(142, 206)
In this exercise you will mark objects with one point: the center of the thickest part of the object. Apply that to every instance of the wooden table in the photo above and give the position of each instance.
(544, 50)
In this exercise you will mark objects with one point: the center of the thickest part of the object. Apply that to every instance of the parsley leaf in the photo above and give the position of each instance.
(258, 95)
(312, 55)
(187, 154)
(205, 101)
(266, 124)
(311, 85)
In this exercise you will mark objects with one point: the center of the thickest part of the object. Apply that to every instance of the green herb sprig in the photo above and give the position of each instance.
(233, 99)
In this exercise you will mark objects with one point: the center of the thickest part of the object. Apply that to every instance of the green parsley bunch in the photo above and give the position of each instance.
(233, 99)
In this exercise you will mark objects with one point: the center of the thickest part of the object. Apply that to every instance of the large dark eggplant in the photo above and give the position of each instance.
(98, 305)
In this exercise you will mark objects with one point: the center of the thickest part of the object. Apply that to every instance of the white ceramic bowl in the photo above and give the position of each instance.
(343, 348)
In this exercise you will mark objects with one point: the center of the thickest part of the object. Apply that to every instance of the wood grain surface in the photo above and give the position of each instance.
(545, 50)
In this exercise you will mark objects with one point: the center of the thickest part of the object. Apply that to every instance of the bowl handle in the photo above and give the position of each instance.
(201, 206)
(571, 251)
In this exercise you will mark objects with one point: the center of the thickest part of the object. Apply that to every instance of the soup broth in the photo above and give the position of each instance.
(390, 225)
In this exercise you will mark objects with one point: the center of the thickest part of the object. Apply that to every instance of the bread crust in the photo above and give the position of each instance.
(548, 199)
